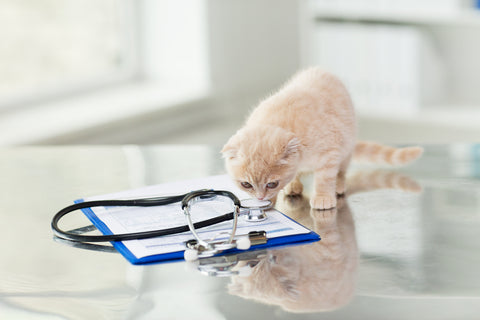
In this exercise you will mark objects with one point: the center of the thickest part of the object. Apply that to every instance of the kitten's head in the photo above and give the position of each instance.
(262, 160)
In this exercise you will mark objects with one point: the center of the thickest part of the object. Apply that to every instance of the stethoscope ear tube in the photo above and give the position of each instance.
(208, 193)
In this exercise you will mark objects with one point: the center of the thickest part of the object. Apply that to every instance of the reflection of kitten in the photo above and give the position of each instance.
(309, 125)
(319, 276)
(308, 278)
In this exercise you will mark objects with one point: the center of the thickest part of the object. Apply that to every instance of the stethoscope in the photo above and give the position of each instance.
(253, 210)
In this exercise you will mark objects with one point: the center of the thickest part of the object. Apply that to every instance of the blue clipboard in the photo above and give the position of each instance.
(178, 255)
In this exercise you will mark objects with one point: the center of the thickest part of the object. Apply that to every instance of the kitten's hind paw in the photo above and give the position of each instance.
(294, 188)
(323, 201)
(296, 201)
(340, 188)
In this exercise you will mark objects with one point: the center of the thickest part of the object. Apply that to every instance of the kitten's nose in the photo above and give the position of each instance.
(260, 195)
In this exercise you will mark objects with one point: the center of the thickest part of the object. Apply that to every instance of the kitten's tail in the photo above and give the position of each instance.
(377, 153)
(363, 181)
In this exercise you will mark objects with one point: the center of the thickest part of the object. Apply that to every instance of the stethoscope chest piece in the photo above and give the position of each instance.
(254, 209)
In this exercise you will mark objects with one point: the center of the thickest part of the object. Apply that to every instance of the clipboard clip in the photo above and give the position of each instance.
(196, 250)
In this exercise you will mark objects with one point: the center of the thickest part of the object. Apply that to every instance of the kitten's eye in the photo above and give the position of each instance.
(272, 185)
(246, 185)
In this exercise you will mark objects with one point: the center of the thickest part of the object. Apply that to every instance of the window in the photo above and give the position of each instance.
(70, 68)
(52, 47)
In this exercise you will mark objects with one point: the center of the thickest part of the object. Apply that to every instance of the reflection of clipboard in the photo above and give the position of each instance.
(281, 230)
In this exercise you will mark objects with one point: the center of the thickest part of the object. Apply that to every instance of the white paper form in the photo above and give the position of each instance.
(136, 219)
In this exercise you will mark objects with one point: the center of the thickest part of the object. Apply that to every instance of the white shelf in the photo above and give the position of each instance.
(425, 126)
(464, 17)
(463, 117)
(447, 60)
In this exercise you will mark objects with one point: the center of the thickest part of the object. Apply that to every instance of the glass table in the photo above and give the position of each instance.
(402, 244)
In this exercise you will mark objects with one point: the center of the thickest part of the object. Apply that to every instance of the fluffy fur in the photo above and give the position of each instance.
(308, 125)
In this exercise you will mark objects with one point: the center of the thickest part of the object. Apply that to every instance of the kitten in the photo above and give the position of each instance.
(308, 125)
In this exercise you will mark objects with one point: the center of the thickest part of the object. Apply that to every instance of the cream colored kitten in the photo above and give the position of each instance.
(308, 125)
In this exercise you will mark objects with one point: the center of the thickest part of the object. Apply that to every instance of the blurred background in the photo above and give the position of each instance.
(190, 71)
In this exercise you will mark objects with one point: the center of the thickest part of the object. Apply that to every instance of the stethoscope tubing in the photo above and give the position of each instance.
(145, 202)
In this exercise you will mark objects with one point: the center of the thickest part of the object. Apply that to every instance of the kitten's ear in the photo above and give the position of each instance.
(229, 150)
(291, 149)
(292, 146)
(232, 148)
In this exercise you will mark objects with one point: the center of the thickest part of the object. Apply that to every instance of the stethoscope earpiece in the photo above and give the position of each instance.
(190, 254)
(243, 243)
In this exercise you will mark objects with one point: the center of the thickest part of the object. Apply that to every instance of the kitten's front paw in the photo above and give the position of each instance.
(294, 188)
(323, 201)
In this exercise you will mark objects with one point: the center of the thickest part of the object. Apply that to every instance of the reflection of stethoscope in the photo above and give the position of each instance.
(253, 210)
(239, 264)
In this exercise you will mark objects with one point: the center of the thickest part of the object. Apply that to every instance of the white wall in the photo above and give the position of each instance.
(250, 48)
(254, 45)
(243, 51)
